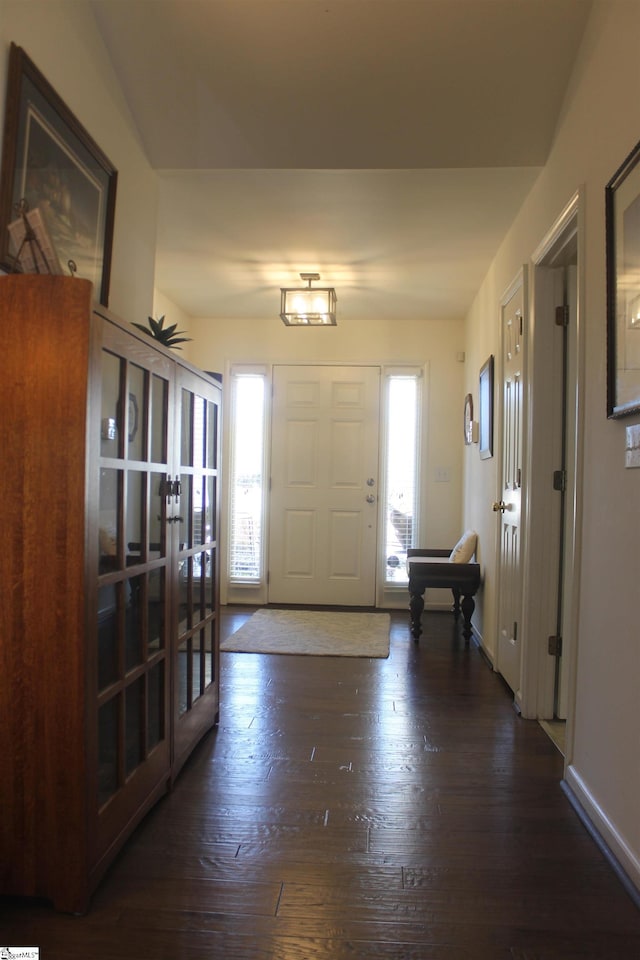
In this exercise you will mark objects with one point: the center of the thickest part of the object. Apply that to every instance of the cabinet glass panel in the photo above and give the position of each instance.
(110, 415)
(186, 500)
(208, 654)
(197, 517)
(108, 620)
(208, 581)
(186, 431)
(155, 611)
(197, 652)
(185, 576)
(199, 431)
(110, 497)
(157, 522)
(209, 527)
(212, 435)
(155, 706)
(134, 590)
(159, 394)
(183, 664)
(108, 750)
(133, 519)
(183, 527)
(197, 598)
(134, 706)
(136, 413)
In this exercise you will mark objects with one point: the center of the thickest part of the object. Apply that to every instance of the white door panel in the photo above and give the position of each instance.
(345, 537)
(299, 543)
(323, 516)
(302, 453)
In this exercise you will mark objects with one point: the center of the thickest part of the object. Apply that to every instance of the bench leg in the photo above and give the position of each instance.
(416, 606)
(468, 606)
(456, 601)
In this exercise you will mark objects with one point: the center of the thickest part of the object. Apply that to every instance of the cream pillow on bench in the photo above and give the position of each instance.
(464, 548)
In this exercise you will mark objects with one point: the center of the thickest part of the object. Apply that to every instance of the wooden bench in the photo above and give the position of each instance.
(432, 568)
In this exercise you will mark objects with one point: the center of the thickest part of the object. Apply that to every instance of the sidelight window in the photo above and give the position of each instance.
(401, 459)
(247, 478)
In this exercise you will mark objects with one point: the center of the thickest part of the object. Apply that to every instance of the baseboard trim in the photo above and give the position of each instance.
(616, 851)
(486, 653)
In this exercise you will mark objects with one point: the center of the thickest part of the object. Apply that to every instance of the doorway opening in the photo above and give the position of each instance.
(554, 451)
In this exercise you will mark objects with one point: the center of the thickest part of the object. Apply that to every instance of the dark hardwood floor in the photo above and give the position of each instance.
(356, 809)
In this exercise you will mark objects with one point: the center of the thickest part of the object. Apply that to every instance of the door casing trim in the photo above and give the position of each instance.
(537, 672)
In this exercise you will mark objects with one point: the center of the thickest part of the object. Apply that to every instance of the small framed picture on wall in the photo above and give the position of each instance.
(485, 413)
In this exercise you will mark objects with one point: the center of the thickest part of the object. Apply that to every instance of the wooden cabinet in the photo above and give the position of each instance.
(109, 623)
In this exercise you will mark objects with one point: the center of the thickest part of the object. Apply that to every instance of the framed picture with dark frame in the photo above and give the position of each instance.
(50, 164)
(485, 411)
(622, 210)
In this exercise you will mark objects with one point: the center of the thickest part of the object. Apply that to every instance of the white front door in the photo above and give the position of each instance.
(324, 485)
(508, 508)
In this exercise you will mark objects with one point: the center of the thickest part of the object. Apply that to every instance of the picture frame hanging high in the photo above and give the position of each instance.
(51, 164)
(622, 228)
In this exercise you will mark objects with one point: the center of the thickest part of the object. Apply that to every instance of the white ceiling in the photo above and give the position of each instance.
(385, 144)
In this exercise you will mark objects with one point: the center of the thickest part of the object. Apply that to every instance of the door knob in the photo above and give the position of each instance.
(500, 506)
(371, 498)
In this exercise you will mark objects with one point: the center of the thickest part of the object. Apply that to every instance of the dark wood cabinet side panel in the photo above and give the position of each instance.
(43, 397)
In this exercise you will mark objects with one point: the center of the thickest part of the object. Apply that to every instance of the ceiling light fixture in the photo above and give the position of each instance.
(308, 306)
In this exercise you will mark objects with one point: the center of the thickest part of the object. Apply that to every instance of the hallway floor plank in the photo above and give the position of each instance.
(356, 809)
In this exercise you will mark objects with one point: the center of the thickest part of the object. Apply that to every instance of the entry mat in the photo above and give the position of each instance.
(316, 633)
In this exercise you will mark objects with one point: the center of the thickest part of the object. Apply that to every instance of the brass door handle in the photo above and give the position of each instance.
(500, 506)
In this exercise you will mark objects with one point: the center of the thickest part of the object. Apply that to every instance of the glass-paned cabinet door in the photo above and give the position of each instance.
(197, 664)
(133, 602)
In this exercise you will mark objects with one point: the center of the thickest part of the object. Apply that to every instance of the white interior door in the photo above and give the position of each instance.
(508, 508)
(324, 485)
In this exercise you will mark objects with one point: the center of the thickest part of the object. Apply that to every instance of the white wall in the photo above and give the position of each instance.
(599, 127)
(172, 313)
(61, 38)
(215, 344)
